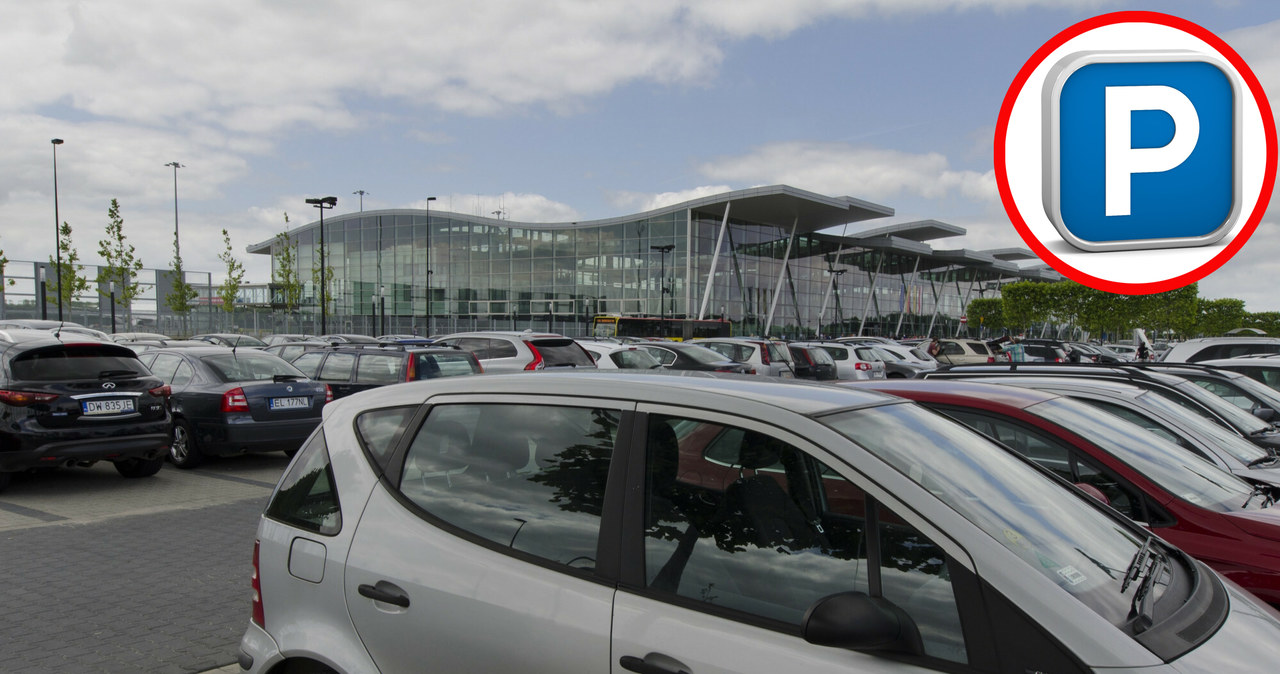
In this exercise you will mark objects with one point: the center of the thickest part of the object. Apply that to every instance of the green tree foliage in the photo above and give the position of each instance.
(1266, 321)
(1216, 317)
(74, 282)
(121, 264)
(287, 289)
(182, 296)
(986, 313)
(1026, 303)
(230, 287)
(4, 262)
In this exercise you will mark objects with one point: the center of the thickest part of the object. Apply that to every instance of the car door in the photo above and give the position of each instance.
(491, 540)
(744, 529)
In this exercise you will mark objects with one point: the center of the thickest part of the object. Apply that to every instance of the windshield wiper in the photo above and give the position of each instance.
(1141, 611)
(1270, 458)
(1136, 565)
(1263, 490)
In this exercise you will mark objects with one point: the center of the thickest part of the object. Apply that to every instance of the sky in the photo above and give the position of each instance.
(545, 110)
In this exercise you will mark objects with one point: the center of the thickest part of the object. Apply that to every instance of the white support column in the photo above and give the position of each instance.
(901, 314)
(688, 260)
(822, 312)
(933, 289)
(777, 289)
(875, 278)
(715, 257)
(964, 304)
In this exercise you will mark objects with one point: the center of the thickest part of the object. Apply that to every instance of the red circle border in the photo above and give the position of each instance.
(1269, 131)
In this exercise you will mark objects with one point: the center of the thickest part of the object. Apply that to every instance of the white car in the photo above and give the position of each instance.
(850, 366)
(572, 522)
(615, 356)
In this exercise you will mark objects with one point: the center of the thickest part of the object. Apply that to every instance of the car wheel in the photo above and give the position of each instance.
(139, 467)
(183, 451)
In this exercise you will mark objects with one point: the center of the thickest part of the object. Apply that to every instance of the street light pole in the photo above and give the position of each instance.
(323, 203)
(44, 297)
(57, 224)
(430, 271)
(112, 285)
(177, 249)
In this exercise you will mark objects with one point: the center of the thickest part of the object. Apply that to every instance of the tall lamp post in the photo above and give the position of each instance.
(662, 305)
(430, 271)
(323, 203)
(57, 231)
(112, 285)
(44, 297)
(177, 250)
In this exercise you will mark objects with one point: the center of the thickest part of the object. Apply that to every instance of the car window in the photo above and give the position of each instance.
(379, 368)
(379, 430)
(74, 361)
(337, 367)
(664, 356)
(306, 497)
(837, 353)
(526, 477)
(948, 349)
(249, 366)
(562, 352)
(778, 352)
(308, 362)
(165, 365)
(500, 348)
(183, 375)
(1225, 391)
(634, 359)
(432, 365)
(739, 520)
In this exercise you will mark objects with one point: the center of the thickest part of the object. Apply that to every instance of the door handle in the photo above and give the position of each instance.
(385, 592)
(653, 663)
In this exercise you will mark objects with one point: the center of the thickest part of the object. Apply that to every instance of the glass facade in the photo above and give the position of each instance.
(461, 272)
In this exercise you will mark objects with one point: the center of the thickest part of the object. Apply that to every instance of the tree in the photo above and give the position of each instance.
(122, 265)
(286, 288)
(1218, 316)
(230, 287)
(182, 295)
(4, 262)
(986, 313)
(73, 282)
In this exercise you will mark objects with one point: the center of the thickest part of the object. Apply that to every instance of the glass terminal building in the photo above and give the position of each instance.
(770, 260)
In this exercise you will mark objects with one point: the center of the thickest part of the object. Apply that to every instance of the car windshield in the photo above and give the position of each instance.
(1238, 418)
(1175, 469)
(1074, 544)
(702, 354)
(1243, 450)
(250, 366)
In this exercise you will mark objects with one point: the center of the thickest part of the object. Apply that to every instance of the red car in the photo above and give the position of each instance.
(1224, 521)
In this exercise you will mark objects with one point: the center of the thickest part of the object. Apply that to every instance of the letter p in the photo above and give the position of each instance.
(1122, 159)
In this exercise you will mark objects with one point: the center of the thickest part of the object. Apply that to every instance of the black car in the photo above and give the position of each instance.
(234, 401)
(349, 369)
(73, 403)
(682, 356)
(812, 362)
(291, 350)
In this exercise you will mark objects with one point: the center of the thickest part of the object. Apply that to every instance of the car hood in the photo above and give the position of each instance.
(1244, 643)
(1260, 523)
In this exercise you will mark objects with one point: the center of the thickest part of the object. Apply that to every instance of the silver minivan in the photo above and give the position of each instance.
(611, 522)
(767, 356)
(517, 351)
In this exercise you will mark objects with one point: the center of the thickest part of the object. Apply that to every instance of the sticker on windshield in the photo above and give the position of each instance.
(1071, 575)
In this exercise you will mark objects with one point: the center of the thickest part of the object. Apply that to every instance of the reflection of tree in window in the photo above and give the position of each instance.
(577, 473)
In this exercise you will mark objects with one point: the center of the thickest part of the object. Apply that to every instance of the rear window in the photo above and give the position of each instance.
(562, 352)
(379, 368)
(778, 351)
(72, 361)
(836, 352)
(249, 366)
(980, 347)
(432, 365)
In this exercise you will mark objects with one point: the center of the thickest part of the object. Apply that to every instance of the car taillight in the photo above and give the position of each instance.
(234, 401)
(24, 398)
(259, 616)
(764, 354)
(476, 361)
(991, 359)
(161, 391)
(328, 394)
(536, 363)
(862, 366)
(412, 370)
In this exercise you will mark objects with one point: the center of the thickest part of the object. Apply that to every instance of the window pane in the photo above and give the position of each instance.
(528, 477)
(337, 367)
(745, 521)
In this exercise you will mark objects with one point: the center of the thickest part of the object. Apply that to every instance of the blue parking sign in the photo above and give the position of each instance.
(1143, 150)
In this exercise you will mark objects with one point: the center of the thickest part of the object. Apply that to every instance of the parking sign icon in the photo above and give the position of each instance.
(1135, 152)
(1143, 150)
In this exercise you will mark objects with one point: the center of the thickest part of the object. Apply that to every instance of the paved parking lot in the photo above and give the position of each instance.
(105, 574)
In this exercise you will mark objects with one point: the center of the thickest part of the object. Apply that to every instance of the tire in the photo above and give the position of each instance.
(139, 467)
(183, 451)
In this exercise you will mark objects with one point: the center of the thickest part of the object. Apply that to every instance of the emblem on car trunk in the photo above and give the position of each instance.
(108, 384)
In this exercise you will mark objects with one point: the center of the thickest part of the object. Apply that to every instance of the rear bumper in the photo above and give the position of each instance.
(243, 435)
(62, 448)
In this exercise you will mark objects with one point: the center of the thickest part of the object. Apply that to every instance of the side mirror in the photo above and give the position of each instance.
(856, 621)
(1264, 413)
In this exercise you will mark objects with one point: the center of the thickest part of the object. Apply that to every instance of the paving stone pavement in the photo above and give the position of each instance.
(165, 590)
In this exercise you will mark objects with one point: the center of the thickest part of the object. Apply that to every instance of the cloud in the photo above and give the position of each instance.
(511, 205)
(639, 202)
(869, 173)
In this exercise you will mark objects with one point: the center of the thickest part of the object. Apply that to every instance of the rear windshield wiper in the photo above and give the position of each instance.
(111, 374)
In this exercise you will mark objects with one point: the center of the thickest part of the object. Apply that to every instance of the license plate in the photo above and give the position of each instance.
(95, 407)
(290, 403)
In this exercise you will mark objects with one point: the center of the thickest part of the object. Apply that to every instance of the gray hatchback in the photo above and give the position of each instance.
(602, 522)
